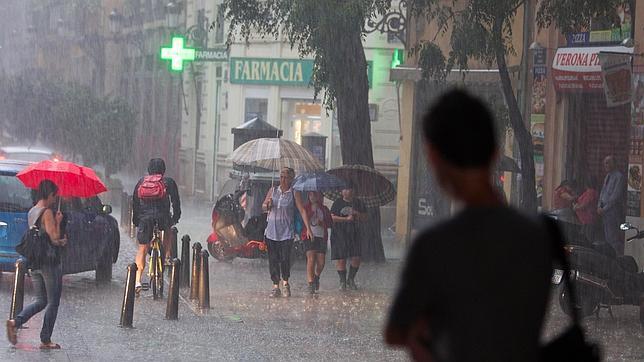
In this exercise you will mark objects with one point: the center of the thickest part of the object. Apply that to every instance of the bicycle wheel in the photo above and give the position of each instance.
(154, 260)
(159, 276)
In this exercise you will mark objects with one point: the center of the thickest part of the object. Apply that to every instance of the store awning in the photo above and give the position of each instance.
(578, 69)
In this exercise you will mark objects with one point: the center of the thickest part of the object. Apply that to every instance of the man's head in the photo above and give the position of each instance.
(460, 137)
(609, 164)
(347, 192)
(156, 166)
(287, 175)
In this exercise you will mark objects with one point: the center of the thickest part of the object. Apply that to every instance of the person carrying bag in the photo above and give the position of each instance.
(41, 245)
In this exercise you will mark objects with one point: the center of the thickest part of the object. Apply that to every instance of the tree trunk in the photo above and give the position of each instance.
(528, 200)
(347, 72)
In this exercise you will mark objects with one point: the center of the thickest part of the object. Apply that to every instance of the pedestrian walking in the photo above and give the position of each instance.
(281, 203)
(152, 198)
(474, 287)
(611, 204)
(320, 220)
(46, 275)
(347, 212)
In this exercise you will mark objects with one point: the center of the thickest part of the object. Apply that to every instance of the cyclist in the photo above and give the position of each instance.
(152, 197)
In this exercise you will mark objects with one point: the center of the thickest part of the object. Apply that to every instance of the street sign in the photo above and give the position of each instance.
(212, 55)
(177, 54)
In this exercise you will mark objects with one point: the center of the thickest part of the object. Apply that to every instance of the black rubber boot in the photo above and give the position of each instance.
(343, 279)
(351, 278)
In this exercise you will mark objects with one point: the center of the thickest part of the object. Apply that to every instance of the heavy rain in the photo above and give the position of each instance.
(379, 180)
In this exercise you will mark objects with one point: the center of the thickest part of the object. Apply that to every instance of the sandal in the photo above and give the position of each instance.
(50, 345)
(12, 334)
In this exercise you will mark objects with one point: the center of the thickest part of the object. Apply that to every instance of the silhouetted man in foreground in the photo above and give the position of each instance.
(475, 287)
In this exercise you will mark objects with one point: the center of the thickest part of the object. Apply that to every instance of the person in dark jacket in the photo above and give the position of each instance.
(147, 212)
(475, 287)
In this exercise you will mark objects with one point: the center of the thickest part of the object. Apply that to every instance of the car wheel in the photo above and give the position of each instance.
(104, 270)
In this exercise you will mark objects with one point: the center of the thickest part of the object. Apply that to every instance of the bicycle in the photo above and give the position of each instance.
(155, 264)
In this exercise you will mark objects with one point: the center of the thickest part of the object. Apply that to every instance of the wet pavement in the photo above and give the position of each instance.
(244, 324)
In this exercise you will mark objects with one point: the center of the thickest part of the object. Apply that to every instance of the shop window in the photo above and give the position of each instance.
(373, 112)
(255, 107)
(304, 115)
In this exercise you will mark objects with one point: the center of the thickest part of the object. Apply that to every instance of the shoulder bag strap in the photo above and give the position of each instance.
(559, 254)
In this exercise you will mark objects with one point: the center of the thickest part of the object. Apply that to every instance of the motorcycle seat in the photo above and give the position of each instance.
(627, 263)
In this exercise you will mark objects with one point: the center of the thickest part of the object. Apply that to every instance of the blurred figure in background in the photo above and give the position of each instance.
(585, 208)
(611, 204)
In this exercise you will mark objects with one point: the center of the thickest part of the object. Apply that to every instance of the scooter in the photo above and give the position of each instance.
(229, 238)
(602, 279)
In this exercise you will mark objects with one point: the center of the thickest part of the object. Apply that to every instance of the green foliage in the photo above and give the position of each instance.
(311, 26)
(575, 15)
(69, 118)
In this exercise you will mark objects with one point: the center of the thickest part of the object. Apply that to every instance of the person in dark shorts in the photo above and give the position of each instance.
(146, 211)
(347, 212)
(320, 220)
(475, 287)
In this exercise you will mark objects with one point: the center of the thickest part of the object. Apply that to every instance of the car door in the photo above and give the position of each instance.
(79, 255)
(15, 202)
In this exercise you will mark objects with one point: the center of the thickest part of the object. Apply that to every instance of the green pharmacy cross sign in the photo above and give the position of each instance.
(177, 54)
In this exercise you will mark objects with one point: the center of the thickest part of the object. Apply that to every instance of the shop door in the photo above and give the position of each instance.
(594, 132)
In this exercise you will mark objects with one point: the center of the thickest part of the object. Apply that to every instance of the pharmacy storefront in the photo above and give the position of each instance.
(277, 91)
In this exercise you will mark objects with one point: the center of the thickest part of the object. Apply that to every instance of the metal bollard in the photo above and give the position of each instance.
(204, 282)
(127, 309)
(130, 213)
(18, 293)
(185, 261)
(123, 209)
(172, 309)
(196, 266)
(174, 232)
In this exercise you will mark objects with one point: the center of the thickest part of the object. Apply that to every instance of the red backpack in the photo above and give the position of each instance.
(152, 188)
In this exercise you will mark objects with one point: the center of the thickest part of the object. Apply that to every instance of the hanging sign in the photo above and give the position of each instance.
(616, 71)
(579, 69)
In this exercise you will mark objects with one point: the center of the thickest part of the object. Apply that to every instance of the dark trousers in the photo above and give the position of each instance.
(47, 282)
(279, 259)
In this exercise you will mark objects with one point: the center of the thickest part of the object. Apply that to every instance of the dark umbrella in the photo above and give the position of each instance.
(318, 181)
(369, 186)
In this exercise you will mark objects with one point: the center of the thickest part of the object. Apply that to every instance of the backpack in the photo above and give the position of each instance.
(36, 247)
(152, 188)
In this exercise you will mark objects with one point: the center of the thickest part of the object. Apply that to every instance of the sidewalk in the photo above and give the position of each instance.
(242, 324)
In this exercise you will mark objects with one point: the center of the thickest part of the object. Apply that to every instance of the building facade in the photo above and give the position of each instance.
(267, 79)
(574, 124)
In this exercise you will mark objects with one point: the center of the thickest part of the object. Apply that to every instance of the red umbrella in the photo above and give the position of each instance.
(72, 180)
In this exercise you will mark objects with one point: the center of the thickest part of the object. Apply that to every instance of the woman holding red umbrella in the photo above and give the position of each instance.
(47, 277)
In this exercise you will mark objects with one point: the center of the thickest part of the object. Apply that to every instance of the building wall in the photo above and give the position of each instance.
(229, 108)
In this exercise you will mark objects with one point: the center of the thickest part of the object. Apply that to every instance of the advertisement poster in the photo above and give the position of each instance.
(616, 77)
(634, 177)
(537, 125)
(638, 100)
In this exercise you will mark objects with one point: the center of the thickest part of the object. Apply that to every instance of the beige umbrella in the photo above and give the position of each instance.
(275, 153)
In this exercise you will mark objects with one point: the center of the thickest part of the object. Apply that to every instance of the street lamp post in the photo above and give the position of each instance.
(196, 35)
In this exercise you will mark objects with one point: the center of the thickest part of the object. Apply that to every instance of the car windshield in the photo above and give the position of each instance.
(14, 196)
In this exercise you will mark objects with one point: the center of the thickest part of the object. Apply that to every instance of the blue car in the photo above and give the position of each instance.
(93, 238)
